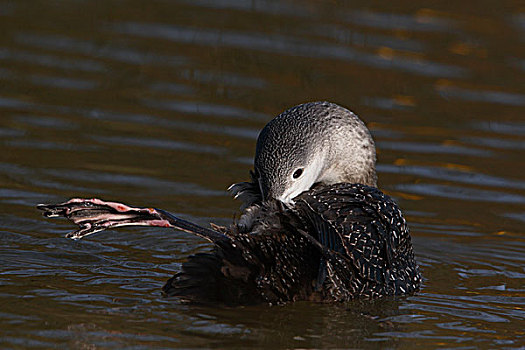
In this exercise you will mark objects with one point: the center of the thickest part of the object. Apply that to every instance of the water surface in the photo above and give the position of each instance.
(159, 103)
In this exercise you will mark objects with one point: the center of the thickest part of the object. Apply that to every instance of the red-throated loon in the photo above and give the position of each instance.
(314, 226)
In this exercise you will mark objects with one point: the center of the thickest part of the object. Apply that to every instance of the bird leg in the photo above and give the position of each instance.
(95, 215)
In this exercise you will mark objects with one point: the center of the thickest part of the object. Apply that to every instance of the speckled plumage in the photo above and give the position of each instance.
(356, 231)
(328, 141)
(313, 224)
(368, 229)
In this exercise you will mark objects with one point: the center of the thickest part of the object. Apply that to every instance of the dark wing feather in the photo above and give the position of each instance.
(249, 193)
(272, 263)
(373, 233)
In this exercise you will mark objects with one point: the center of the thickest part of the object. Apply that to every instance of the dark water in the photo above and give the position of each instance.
(159, 103)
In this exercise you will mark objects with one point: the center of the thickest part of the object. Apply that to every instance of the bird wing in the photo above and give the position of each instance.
(249, 193)
(357, 224)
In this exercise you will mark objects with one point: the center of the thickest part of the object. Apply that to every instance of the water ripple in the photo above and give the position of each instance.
(433, 148)
(516, 216)
(462, 193)
(172, 88)
(8, 102)
(512, 128)
(396, 21)
(500, 97)
(51, 60)
(258, 6)
(113, 52)
(496, 143)
(202, 108)
(159, 143)
(49, 145)
(145, 183)
(285, 45)
(235, 131)
(63, 82)
(226, 78)
(452, 175)
(355, 38)
(45, 121)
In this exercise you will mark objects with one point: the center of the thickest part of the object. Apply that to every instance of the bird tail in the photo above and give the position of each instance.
(198, 280)
(221, 276)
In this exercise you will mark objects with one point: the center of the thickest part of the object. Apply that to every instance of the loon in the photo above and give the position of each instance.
(314, 226)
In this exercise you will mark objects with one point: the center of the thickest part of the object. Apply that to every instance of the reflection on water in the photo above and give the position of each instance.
(161, 104)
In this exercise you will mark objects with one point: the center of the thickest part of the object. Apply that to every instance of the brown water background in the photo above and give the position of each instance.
(159, 103)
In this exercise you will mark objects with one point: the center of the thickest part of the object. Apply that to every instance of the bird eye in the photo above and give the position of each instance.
(297, 173)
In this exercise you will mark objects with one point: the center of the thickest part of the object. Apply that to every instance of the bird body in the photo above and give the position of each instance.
(339, 242)
(313, 225)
